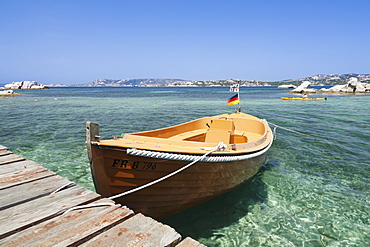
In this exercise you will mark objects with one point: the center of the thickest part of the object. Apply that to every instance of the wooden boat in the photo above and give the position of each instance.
(137, 159)
(301, 98)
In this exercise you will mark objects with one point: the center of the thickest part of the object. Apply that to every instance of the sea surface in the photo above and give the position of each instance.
(313, 190)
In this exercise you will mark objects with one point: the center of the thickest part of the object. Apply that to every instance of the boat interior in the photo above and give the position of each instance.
(213, 130)
(237, 130)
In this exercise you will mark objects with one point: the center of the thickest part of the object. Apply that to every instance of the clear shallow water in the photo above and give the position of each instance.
(312, 190)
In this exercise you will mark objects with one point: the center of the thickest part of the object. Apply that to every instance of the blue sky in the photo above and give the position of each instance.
(75, 42)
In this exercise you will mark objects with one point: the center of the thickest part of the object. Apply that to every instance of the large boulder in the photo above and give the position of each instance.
(14, 85)
(25, 85)
(352, 86)
(304, 88)
(6, 92)
(355, 85)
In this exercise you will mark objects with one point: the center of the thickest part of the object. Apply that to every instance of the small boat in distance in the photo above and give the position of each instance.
(302, 98)
(189, 163)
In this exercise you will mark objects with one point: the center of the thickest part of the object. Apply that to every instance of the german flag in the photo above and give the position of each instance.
(233, 100)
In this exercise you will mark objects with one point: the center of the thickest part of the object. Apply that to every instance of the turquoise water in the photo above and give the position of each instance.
(313, 190)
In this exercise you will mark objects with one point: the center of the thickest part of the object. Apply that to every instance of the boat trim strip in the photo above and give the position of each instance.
(183, 157)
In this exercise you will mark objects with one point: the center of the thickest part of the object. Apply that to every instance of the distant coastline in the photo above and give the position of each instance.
(315, 80)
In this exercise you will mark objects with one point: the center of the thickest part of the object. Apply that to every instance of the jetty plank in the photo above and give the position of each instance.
(72, 228)
(15, 195)
(4, 152)
(31, 215)
(17, 167)
(189, 242)
(23, 216)
(5, 159)
(21, 172)
(138, 230)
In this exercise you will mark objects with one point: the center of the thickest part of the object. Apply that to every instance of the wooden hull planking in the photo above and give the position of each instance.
(115, 171)
(194, 185)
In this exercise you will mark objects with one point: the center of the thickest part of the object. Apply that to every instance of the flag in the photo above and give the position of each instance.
(234, 88)
(233, 100)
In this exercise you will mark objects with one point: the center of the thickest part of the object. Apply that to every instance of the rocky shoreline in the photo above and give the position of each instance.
(8, 93)
(352, 86)
(351, 83)
(25, 85)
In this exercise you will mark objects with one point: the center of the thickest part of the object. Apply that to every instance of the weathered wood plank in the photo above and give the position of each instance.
(17, 167)
(29, 191)
(92, 134)
(25, 215)
(22, 172)
(189, 242)
(4, 152)
(138, 230)
(37, 173)
(72, 228)
(31, 216)
(6, 159)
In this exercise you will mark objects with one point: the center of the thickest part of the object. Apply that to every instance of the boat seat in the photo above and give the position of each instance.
(186, 135)
(220, 130)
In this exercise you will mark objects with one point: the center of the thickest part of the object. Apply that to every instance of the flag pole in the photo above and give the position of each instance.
(235, 88)
(239, 98)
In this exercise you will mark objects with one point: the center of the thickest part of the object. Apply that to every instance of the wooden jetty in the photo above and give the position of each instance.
(40, 208)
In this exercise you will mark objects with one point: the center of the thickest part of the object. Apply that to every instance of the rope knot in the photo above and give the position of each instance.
(220, 147)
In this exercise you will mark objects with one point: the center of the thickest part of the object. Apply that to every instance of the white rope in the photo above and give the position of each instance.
(184, 157)
(90, 206)
(219, 146)
(62, 187)
(82, 206)
(277, 126)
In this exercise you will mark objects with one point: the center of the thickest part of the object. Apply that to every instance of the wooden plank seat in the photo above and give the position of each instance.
(189, 134)
(220, 130)
(237, 137)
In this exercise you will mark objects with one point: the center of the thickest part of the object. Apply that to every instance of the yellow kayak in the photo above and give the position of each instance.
(300, 98)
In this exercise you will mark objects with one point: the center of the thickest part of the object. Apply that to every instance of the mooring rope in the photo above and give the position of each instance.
(219, 146)
(90, 206)
(193, 158)
(62, 187)
(277, 126)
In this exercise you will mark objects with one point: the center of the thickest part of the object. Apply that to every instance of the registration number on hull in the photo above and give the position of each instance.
(127, 164)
